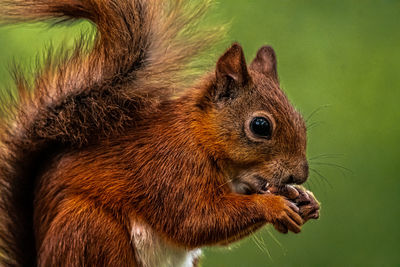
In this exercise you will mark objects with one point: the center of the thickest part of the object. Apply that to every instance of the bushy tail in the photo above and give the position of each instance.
(159, 36)
(141, 48)
(142, 51)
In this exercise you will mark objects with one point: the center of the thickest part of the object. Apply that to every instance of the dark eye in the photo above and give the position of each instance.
(261, 126)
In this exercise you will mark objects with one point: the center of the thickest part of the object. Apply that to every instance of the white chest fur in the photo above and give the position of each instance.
(152, 251)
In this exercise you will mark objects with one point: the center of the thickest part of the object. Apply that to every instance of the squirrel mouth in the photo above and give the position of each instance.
(264, 186)
(264, 189)
(257, 185)
(287, 190)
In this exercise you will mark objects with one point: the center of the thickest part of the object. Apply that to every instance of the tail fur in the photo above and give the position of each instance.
(143, 49)
(141, 53)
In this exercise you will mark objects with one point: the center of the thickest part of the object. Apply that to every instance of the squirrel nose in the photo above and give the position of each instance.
(299, 175)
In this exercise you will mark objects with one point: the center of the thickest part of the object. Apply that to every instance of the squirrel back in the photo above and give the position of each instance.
(139, 55)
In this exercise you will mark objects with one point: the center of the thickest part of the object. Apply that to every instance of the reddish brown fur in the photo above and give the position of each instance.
(102, 141)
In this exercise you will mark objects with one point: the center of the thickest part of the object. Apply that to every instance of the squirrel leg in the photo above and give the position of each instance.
(228, 218)
(91, 237)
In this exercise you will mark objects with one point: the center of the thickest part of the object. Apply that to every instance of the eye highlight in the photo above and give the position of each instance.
(261, 127)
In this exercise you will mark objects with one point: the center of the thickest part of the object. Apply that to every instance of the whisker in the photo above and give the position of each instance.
(325, 156)
(318, 109)
(309, 184)
(322, 177)
(275, 240)
(314, 124)
(261, 245)
(334, 165)
(227, 182)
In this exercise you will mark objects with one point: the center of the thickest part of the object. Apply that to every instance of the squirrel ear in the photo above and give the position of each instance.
(265, 62)
(231, 71)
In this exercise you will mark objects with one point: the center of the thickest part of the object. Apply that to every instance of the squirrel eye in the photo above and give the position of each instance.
(261, 126)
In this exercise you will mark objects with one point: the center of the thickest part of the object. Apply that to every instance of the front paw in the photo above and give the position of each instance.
(284, 215)
(308, 205)
(305, 200)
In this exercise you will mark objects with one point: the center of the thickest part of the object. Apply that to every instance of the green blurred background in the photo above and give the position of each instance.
(341, 59)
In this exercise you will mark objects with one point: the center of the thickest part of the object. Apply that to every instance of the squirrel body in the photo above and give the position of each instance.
(109, 166)
(152, 250)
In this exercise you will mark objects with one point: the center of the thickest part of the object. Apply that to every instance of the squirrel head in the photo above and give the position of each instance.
(251, 124)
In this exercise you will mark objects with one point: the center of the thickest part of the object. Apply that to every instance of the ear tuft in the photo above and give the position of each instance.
(265, 62)
(231, 70)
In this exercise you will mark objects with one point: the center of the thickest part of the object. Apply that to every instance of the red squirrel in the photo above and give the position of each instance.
(113, 156)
